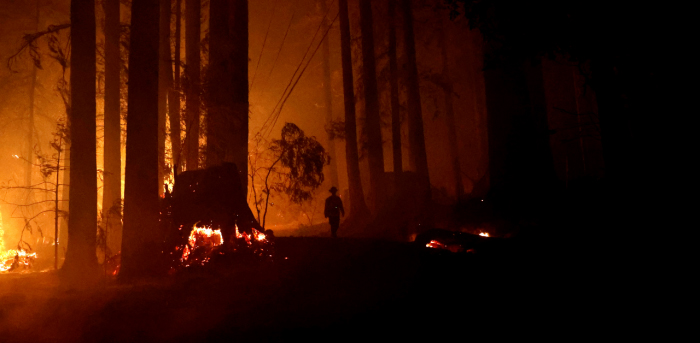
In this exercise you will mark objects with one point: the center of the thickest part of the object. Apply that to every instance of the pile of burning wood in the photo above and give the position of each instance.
(207, 215)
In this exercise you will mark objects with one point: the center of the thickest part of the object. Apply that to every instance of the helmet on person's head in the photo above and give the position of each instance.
(333, 189)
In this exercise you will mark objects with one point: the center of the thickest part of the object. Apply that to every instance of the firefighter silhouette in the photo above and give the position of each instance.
(333, 210)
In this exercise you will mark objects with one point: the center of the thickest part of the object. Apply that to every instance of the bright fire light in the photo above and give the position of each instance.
(484, 234)
(201, 238)
(12, 259)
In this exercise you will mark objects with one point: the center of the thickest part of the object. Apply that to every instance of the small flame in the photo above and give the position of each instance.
(484, 234)
(15, 156)
(435, 244)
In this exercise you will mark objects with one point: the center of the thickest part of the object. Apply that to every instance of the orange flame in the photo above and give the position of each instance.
(202, 237)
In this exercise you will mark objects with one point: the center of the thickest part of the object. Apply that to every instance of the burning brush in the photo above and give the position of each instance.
(14, 260)
(204, 242)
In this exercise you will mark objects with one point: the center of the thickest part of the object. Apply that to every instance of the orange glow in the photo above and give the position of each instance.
(15, 260)
(202, 240)
(484, 234)
(435, 244)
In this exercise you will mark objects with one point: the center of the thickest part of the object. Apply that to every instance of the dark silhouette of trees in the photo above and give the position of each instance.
(416, 136)
(192, 82)
(219, 82)
(372, 119)
(237, 137)
(227, 86)
(30, 119)
(448, 92)
(141, 205)
(81, 259)
(111, 192)
(610, 44)
(395, 105)
(358, 208)
(174, 94)
(164, 85)
(328, 96)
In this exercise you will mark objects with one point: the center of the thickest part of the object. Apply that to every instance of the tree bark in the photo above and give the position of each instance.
(448, 90)
(372, 119)
(395, 107)
(163, 87)
(237, 150)
(416, 135)
(140, 248)
(328, 97)
(219, 81)
(81, 258)
(357, 197)
(29, 153)
(174, 95)
(192, 102)
(111, 193)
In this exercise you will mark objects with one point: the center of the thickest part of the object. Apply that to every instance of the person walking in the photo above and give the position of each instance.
(333, 210)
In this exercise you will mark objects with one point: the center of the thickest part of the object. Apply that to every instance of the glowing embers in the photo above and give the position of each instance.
(260, 244)
(13, 260)
(484, 234)
(202, 243)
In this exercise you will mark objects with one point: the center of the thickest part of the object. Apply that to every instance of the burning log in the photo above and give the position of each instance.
(457, 242)
(206, 215)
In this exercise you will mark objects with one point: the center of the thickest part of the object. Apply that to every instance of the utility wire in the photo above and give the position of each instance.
(274, 10)
(291, 81)
(281, 45)
(283, 102)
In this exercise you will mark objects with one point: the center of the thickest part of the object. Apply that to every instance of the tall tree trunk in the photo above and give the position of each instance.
(192, 40)
(238, 135)
(448, 90)
(163, 86)
(220, 81)
(140, 241)
(174, 95)
(29, 153)
(111, 193)
(81, 258)
(372, 119)
(328, 97)
(357, 197)
(416, 136)
(395, 107)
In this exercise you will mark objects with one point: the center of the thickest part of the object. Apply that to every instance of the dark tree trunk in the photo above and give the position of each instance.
(29, 153)
(140, 241)
(328, 96)
(372, 119)
(395, 107)
(357, 197)
(174, 95)
(416, 136)
(219, 81)
(163, 86)
(520, 163)
(192, 40)
(111, 193)
(448, 91)
(81, 258)
(237, 151)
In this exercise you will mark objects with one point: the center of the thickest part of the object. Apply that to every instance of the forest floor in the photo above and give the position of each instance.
(319, 289)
